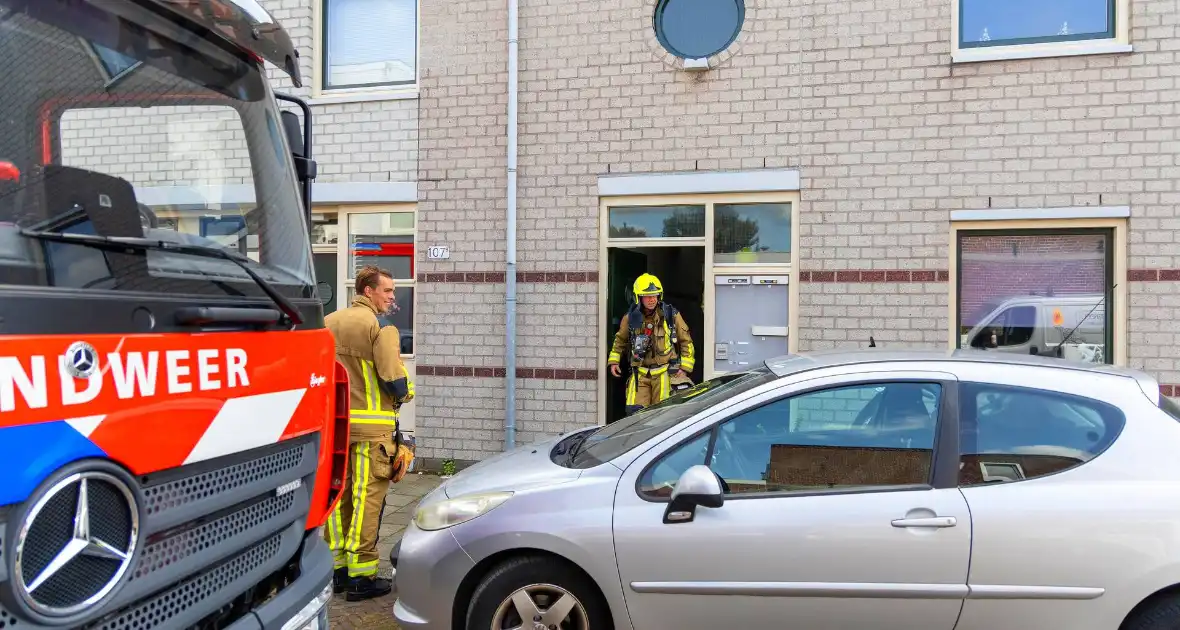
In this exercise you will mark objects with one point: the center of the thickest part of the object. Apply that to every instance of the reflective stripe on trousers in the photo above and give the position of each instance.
(647, 386)
(353, 526)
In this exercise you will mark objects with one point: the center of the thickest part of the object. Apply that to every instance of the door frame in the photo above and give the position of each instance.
(699, 340)
(344, 280)
(704, 341)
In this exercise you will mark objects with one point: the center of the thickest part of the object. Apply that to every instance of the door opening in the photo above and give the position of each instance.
(681, 269)
(325, 275)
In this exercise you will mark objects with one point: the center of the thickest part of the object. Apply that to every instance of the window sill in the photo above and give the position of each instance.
(353, 96)
(1038, 51)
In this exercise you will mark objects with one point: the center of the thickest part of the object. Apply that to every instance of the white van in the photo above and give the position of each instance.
(1037, 324)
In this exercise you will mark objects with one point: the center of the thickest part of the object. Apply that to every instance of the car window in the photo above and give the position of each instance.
(619, 437)
(1013, 327)
(1170, 407)
(840, 438)
(1017, 433)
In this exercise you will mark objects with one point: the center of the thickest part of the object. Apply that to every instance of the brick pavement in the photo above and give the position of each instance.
(377, 614)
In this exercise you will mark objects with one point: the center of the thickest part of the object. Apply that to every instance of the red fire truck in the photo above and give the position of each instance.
(170, 433)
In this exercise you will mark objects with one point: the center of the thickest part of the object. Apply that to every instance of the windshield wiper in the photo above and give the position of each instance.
(579, 442)
(132, 243)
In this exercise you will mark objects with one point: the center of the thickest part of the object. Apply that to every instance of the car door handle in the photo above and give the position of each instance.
(934, 522)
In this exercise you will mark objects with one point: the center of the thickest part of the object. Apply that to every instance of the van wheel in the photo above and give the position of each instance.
(536, 593)
(1163, 614)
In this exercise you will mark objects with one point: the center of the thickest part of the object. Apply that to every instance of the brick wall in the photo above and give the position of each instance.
(461, 193)
(859, 95)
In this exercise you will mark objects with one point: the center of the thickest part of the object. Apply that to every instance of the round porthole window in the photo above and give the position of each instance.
(695, 29)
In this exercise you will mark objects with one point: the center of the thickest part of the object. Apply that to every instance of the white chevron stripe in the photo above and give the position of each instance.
(247, 422)
(85, 425)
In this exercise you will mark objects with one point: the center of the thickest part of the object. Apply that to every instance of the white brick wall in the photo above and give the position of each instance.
(846, 314)
(860, 95)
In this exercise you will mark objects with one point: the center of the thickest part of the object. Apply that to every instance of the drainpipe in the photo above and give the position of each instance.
(510, 273)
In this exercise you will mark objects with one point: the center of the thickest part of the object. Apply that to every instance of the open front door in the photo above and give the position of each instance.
(623, 267)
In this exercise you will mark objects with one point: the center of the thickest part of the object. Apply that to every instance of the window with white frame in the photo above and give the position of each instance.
(386, 240)
(369, 43)
(1042, 25)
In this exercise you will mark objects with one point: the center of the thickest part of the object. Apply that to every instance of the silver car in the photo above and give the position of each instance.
(868, 489)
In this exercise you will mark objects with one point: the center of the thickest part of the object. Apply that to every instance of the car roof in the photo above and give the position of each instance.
(790, 364)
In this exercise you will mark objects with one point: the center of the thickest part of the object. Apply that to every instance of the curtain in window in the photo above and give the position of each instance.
(371, 42)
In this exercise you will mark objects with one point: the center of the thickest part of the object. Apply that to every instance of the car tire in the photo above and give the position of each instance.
(1162, 614)
(549, 579)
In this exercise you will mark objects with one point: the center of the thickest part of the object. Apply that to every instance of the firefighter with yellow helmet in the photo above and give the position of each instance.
(655, 340)
(379, 385)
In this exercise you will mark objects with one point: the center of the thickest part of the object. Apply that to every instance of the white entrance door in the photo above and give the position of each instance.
(382, 236)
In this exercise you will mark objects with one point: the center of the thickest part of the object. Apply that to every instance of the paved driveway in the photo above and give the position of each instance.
(377, 614)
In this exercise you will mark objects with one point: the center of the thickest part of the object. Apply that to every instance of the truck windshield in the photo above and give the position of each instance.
(120, 130)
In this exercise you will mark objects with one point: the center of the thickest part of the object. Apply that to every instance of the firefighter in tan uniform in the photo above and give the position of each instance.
(379, 386)
(657, 344)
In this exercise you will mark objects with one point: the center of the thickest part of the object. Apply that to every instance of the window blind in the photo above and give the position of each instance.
(370, 42)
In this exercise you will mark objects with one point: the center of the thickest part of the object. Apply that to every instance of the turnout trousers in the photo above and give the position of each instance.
(647, 386)
(352, 527)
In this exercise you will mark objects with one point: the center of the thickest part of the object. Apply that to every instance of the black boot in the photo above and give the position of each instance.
(340, 580)
(362, 588)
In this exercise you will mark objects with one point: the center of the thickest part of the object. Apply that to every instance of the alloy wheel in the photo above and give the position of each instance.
(541, 607)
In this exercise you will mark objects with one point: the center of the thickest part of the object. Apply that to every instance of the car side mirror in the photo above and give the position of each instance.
(697, 487)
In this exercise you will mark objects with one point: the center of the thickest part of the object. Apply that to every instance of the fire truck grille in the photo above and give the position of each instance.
(195, 540)
(181, 492)
(208, 533)
(158, 611)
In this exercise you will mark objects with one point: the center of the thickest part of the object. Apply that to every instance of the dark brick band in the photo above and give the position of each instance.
(450, 370)
(586, 375)
(491, 277)
(499, 372)
(1153, 275)
(844, 275)
(876, 275)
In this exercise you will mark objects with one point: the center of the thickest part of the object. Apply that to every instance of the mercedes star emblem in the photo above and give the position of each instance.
(81, 360)
(82, 543)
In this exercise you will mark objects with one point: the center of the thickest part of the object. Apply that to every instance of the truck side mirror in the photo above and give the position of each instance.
(300, 141)
(1033, 351)
(305, 167)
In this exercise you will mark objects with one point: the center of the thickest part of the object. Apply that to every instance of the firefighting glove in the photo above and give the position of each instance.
(401, 462)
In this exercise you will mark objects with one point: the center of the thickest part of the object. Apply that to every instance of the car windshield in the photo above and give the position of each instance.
(1170, 407)
(114, 130)
(616, 439)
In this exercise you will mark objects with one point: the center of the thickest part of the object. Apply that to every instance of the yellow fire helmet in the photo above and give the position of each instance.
(647, 284)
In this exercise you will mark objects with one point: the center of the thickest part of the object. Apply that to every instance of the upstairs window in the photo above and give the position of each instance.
(1010, 22)
(370, 43)
(997, 29)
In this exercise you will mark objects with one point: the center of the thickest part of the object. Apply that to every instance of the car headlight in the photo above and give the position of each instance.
(451, 512)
